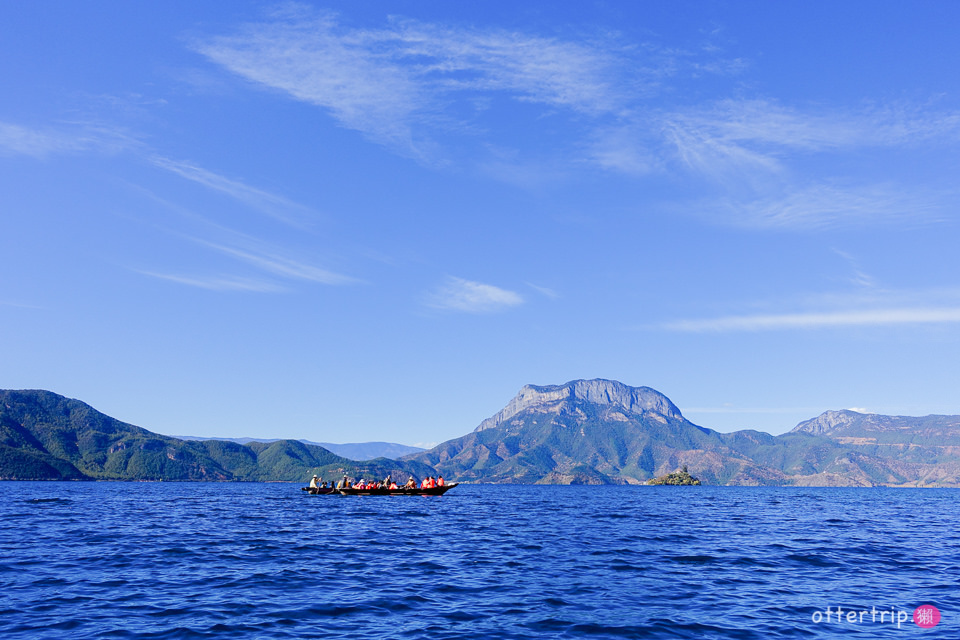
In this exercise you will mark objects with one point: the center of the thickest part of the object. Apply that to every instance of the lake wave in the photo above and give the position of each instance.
(248, 560)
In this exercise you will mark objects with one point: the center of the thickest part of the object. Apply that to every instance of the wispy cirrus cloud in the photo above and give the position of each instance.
(18, 305)
(544, 291)
(761, 126)
(825, 205)
(219, 283)
(68, 138)
(603, 102)
(750, 150)
(866, 306)
(759, 137)
(283, 266)
(405, 82)
(860, 278)
(818, 320)
(457, 294)
(276, 266)
(273, 205)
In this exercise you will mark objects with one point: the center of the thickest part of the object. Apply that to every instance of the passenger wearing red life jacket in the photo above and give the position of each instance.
(439, 481)
(393, 485)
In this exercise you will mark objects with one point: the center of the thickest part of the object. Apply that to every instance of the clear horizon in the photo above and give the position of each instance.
(377, 222)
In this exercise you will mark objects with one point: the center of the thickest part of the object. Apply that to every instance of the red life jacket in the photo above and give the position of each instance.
(439, 482)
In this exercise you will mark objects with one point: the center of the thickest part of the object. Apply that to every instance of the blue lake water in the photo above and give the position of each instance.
(238, 560)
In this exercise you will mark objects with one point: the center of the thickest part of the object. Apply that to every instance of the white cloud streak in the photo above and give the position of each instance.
(275, 206)
(822, 206)
(398, 83)
(457, 294)
(19, 305)
(818, 320)
(282, 266)
(544, 291)
(219, 283)
(749, 149)
(410, 84)
(767, 124)
(71, 138)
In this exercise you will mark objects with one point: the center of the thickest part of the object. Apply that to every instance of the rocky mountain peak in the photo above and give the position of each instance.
(636, 400)
(827, 422)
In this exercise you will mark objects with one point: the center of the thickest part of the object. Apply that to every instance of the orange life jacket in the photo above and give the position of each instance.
(439, 482)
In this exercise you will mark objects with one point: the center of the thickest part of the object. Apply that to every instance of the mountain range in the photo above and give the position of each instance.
(584, 432)
(602, 431)
(351, 450)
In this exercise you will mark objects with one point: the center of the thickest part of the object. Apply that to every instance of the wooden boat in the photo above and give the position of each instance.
(433, 491)
(319, 491)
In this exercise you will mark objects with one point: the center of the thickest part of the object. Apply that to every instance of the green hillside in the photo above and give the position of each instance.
(45, 436)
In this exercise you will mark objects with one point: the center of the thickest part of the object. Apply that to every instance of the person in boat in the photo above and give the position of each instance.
(315, 482)
(427, 483)
(360, 484)
(392, 485)
(411, 484)
(440, 481)
(386, 481)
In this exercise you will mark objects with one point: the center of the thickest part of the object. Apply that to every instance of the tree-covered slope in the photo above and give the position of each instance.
(45, 436)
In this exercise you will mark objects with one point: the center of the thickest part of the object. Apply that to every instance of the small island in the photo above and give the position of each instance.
(681, 477)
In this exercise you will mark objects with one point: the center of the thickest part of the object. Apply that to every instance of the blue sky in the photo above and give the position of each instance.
(355, 221)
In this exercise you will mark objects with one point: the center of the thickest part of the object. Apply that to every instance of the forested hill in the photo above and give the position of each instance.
(45, 436)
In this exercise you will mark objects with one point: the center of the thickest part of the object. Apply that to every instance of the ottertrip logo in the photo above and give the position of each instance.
(925, 616)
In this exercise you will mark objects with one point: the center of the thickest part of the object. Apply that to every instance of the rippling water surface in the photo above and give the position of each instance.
(185, 560)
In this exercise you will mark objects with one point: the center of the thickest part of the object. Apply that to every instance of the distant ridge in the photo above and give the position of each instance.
(582, 432)
(603, 431)
(45, 436)
(351, 450)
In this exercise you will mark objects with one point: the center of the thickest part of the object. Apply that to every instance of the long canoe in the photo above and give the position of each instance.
(321, 491)
(434, 491)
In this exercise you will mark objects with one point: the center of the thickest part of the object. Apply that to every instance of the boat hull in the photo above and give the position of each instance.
(433, 491)
(318, 491)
